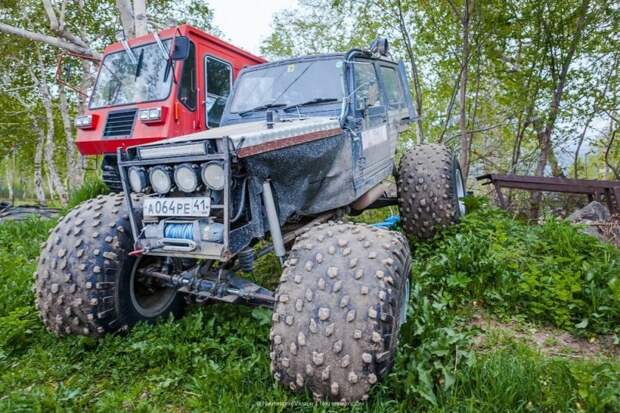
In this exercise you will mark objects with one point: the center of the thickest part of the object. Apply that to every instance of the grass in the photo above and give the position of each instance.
(217, 357)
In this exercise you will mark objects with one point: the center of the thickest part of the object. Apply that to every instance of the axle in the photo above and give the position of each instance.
(222, 286)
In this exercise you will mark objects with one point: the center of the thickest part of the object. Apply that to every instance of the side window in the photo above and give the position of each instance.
(218, 79)
(366, 86)
(187, 87)
(393, 87)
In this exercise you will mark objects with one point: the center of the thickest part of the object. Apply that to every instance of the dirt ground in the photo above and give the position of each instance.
(547, 340)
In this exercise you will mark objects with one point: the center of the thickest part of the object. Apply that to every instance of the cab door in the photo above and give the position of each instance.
(185, 110)
(394, 94)
(371, 112)
(218, 75)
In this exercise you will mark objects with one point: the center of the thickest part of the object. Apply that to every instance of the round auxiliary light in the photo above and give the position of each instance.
(138, 181)
(213, 176)
(161, 179)
(186, 177)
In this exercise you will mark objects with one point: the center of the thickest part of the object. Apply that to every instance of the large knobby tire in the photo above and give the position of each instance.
(85, 281)
(430, 190)
(340, 303)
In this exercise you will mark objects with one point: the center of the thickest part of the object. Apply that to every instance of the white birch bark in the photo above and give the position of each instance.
(140, 18)
(38, 168)
(75, 172)
(46, 99)
(127, 19)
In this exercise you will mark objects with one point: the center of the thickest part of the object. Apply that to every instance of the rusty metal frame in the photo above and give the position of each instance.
(599, 190)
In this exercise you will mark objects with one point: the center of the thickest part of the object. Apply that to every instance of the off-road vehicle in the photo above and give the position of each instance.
(303, 143)
(148, 89)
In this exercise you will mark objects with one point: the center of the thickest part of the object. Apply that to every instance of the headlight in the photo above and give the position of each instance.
(84, 121)
(138, 179)
(213, 176)
(186, 177)
(161, 179)
(155, 114)
(150, 115)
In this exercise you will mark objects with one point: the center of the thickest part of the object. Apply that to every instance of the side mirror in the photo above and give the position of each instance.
(181, 48)
(362, 103)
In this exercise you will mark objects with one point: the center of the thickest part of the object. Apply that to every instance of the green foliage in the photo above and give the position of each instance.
(550, 273)
(19, 248)
(513, 377)
(217, 358)
(517, 50)
(91, 188)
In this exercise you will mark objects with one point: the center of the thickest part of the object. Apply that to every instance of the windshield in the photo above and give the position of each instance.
(122, 81)
(289, 84)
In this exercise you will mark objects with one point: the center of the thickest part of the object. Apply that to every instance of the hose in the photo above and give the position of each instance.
(242, 201)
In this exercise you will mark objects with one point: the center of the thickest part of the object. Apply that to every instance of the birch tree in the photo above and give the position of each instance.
(56, 184)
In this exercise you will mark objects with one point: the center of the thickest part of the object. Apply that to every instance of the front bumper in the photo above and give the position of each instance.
(149, 234)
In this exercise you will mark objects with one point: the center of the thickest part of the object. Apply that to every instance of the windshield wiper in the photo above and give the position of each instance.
(310, 102)
(139, 65)
(261, 107)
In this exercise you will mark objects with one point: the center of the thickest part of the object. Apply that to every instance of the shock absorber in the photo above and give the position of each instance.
(246, 260)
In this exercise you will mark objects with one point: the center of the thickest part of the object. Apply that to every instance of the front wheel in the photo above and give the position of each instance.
(341, 301)
(86, 283)
(431, 190)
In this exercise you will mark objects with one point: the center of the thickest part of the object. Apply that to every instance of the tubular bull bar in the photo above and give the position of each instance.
(213, 250)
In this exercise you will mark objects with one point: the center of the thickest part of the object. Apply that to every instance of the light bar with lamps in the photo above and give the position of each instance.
(170, 151)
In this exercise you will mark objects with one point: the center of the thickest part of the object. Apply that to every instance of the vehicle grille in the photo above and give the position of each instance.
(119, 123)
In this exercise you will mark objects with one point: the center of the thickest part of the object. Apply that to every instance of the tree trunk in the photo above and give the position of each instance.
(127, 20)
(524, 121)
(465, 135)
(49, 139)
(75, 171)
(8, 176)
(544, 134)
(614, 168)
(414, 72)
(139, 15)
(450, 107)
(579, 144)
(38, 174)
(54, 41)
(50, 187)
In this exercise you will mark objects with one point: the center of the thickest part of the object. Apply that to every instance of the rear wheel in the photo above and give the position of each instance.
(86, 283)
(340, 304)
(431, 190)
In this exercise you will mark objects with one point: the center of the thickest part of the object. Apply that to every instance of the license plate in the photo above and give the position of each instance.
(177, 207)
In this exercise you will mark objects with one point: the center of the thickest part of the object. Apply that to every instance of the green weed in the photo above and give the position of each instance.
(217, 357)
(550, 273)
(89, 189)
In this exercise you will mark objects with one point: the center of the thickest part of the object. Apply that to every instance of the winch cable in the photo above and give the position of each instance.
(179, 231)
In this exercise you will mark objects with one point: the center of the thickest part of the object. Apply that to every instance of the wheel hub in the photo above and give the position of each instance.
(149, 297)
